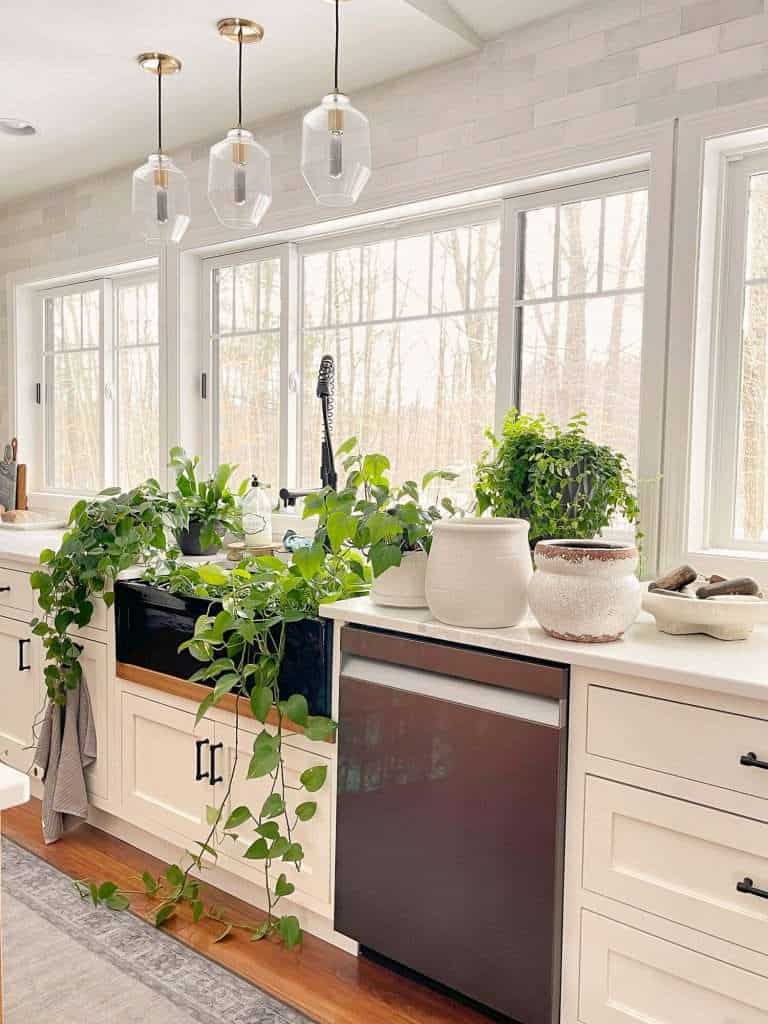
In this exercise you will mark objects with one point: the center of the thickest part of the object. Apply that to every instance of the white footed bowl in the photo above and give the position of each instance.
(478, 572)
(730, 617)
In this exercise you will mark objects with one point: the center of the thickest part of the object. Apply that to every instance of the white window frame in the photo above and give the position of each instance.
(469, 216)
(108, 400)
(289, 390)
(725, 378)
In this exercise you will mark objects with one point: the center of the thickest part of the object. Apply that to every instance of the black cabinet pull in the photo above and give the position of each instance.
(22, 666)
(751, 760)
(748, 886)
(199, 773)
(5, 590)
(214, 777)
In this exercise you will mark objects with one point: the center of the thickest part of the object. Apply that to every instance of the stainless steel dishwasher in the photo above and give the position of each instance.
(450, 830)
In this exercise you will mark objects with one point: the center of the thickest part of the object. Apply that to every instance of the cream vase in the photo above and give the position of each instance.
(585, 590)
(402, 586)
(478, 572)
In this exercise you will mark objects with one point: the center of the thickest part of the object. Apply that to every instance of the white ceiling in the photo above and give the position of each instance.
(69, 68)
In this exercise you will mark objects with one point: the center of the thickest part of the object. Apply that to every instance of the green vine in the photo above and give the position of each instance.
(240, 645)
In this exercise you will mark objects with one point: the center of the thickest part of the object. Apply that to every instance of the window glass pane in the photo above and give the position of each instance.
(316, 291)
(148, 326)
(539, 256)
(579, 249)
(71, 321)
(412, 276)
(378, 280)
(138, 426)
(449, 270)
(484, 266)
(246, 296)
(225, 308)
(422, 391)
(584, 356)
(127, 316)
(344, 297)
(269, 294)
(74, 421)
(751, 512)
(249, 404)
(626, 217)
(90, 319)
(757, 238)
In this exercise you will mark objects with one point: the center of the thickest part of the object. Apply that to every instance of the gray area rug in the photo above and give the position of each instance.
(67, 961)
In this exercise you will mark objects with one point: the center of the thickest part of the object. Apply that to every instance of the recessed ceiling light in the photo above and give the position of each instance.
(16, 126)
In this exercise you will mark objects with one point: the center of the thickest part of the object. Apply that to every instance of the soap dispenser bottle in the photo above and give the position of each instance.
(257, 515)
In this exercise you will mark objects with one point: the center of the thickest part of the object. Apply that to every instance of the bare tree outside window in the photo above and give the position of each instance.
(137, 376)
(412, 323)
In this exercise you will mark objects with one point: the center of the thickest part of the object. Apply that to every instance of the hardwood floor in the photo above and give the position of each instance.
(326, 984)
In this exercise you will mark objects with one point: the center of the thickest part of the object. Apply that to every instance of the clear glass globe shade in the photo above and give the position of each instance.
(160, 200)
(336, 151)
(239, 180)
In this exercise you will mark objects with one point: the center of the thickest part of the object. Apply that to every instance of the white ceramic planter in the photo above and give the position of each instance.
(585, 590)
(402, 586)
(478, 572)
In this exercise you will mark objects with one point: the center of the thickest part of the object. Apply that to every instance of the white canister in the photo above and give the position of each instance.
(478, 572)
(585, 590)
(402, 586)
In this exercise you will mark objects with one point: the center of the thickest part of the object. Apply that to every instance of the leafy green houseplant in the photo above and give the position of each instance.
(563, 483)
(240, 647)
(203, 510)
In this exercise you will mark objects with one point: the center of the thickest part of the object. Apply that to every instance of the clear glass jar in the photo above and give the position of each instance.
(257, 515)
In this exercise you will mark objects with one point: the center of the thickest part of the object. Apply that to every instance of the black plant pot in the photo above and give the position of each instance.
(189, 540)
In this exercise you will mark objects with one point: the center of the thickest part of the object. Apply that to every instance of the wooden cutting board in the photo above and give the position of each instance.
(8, 466)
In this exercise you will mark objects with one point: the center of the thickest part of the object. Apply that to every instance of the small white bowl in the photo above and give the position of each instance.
(731, 617)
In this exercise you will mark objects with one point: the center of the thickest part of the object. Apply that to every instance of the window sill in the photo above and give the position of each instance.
(730, 562)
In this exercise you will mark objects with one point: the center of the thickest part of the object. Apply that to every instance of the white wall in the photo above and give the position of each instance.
(600, 71)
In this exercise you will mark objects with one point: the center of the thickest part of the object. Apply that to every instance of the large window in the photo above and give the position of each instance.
(100, 392)
(246, 336)
(579, 303)
(739, 442)
(411, 319)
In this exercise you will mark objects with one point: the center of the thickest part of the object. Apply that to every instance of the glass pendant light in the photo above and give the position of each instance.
(160, 200)
(336, 145)
(239, 169)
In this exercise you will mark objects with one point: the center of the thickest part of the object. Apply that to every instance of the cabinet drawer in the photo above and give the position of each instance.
(678, 739)
(629, 976)
(15, 591)
(678, 860)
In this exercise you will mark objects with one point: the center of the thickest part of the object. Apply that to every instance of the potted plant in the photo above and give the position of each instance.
(203, 510)
(391, 526)
(564, 484)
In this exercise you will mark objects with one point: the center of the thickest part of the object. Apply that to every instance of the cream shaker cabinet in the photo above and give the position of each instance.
(21, 691)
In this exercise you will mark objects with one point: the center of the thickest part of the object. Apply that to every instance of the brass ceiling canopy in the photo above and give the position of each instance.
(240, 30)
(159, 63)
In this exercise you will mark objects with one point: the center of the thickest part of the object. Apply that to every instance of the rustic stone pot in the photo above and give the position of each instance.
(585, 590)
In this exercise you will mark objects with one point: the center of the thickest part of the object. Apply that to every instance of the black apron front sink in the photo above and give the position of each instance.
(151, 623)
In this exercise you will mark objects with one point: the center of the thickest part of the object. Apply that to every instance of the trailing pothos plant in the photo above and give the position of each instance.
(374, 517)
(240, 644)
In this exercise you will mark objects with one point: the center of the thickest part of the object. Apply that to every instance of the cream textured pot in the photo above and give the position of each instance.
(402, 586)
(478, 572)
(585, 590)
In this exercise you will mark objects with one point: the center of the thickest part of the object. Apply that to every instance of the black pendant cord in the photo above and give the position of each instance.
(240, 77)
(160, 112)
(336, 53)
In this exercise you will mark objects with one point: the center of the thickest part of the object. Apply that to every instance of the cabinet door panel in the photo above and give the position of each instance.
(314, 878)
(21, 694)
(160, 791)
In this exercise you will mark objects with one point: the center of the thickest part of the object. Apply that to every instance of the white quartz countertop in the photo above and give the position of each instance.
(14, 787)
(738, 666)
(24, 546)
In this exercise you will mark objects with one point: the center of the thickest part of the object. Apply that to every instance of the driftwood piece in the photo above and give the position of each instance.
(743, 585)
(675, 580)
